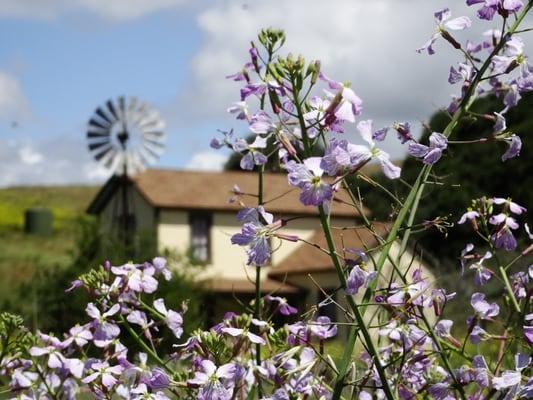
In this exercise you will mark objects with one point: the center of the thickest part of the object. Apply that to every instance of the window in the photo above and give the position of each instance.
(200, 224)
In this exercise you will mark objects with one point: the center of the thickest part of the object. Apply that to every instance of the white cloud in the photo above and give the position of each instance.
(58, 160)
(115, 10)
(207, 161)
(29, 156)
(13, 104)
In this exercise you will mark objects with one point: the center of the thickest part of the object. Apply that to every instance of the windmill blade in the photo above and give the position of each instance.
(151, 151)
(96, 124)
(99, 155)
(110, 159)
(92, 134)
(150, 120)
(132, 105)
(155, 143)
(95, 143)
(104, 116)
(112, 109)
(95, 146)
(122, 108)
(155, 134)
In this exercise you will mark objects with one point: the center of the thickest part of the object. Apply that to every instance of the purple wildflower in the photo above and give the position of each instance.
(214, 382)
(160, 265)
(483, 274)
(490, 7)
(173, 319)
(464, 256)
(463, 73)
(515, 145)
(513, 207)
(478, 335)
(323, 328)
(105, 373)
(283, 306)
(403, 129)
(484, 309)
(350, 105)
(104, 331)
(139, 278)
(362, 153)
(504, 238)
(81, 335)
(255, 234)
(307, 177)
(253, 156)
(237, 332)
(430, 155)
(357, 279)
(444, 23)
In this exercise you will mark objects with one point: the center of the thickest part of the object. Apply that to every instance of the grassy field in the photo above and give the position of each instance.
(22, 254)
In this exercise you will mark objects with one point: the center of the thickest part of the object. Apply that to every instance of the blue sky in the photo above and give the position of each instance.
(60, 59)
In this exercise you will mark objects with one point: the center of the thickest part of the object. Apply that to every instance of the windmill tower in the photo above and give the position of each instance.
(125, 136)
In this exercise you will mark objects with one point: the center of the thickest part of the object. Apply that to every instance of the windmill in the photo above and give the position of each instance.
(125, 136)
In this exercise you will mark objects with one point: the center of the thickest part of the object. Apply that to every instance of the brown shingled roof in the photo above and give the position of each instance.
(211, 191)
(308, 259)
(245, 286)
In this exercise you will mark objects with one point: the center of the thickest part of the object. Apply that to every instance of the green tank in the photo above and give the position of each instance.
(38, 220)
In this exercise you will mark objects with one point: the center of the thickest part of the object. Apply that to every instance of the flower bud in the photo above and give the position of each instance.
(449, 38)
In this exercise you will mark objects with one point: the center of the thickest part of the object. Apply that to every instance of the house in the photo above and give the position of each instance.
(193, 212)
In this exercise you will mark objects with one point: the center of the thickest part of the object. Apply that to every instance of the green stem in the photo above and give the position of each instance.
(145, 347)
(509, 290)
(346, 358)
(373, 352)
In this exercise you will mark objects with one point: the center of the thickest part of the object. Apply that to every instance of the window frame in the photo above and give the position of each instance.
(208, 217)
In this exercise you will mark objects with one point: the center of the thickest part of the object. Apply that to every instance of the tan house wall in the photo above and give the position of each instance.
(229, 261)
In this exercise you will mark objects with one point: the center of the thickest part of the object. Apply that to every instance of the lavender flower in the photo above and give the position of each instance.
(478, 335)
(214, 382)
(504, 238)
(513, 207)
(322, 328)
(173, 319)
(357, 279)
(483, 309)
(430, 155)
(490, 7)
(307, 177)
(350, 106)
(139, 278)
(106, 373)
(463, 73)
(253, 156)
(238, 332)
(443, 23)
(403, 129)
(283, 306)
(104, 331)
(81, 335)
(515, 145)
(255, 234)
(482, 274)
(338, 156)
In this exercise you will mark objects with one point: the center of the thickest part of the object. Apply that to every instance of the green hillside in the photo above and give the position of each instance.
(21, 254)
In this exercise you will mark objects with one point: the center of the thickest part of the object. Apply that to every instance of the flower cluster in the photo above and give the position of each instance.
(409, 348)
